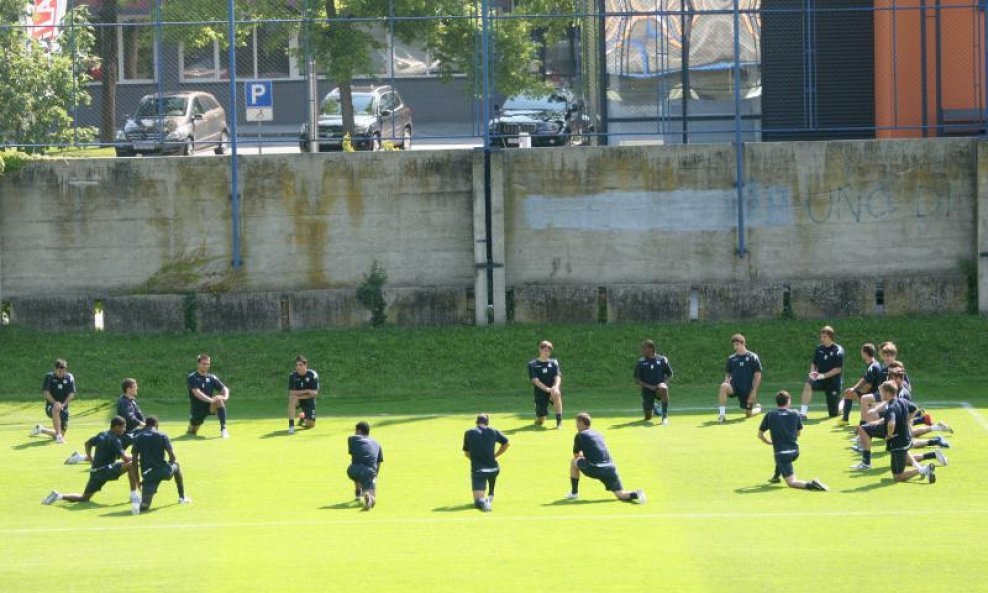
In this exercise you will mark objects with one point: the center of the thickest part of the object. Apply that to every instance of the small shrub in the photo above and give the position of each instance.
(370, 294)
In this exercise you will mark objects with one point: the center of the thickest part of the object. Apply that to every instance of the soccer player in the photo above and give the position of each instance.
(879, 427)
(651, 374)
(207, 396)
(742, 377)
(58, 389)
(128, 408)
(785, 426)
(547, 379)
(150, 447)
(303, 389)
(591, 458)
(478, 446)
(825, 373)
(899, 439)
(866, 385)
(105, 465)
(366, 458)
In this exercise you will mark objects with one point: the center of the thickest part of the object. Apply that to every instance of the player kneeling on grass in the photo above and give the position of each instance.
(591, 458)
(105, 467)
(785, 425)
(478, 446)
(303, 389)
(742, 376)
(366, 458)
(207, 396)
(149, 448)
(58, 389)
(652, 374)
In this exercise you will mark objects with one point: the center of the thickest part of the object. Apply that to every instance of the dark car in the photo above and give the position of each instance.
(175, 123)
(379, 115)
(555, 119)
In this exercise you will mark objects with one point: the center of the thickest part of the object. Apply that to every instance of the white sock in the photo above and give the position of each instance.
(723, 410)
(803, 409)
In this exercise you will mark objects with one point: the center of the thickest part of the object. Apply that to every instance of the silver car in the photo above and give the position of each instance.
(175, 123)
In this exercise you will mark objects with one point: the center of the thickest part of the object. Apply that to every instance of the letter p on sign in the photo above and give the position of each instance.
(259, 97)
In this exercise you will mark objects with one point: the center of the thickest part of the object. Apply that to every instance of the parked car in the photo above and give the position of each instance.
(379, 114)
(175, 123)
(554, 119)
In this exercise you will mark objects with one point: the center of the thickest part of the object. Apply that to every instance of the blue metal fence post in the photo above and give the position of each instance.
(738, 140)
(983, 5)
(158, 74)
(234, 173)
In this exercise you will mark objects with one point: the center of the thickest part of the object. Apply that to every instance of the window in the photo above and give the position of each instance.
(136, 58)
(268, 54)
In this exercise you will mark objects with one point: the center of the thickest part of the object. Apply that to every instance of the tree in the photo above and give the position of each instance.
(39, 85)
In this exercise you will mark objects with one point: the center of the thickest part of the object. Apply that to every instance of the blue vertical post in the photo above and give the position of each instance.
(75, 73)
(234, 173)
(983, 5)
(738, 144)
(485, 40)
(158, 74)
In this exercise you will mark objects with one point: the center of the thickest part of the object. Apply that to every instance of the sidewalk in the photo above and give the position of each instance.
(425, 133)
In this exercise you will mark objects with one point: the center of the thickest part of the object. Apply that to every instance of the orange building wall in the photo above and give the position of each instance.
(898, 64)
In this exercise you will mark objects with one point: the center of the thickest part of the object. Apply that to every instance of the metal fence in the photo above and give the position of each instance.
(485, 72)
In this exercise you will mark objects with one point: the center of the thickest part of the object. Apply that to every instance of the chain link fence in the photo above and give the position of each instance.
(187, 76)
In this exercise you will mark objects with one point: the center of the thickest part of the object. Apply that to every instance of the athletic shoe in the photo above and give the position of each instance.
(135, 507)
(59, 439)
(721, 419)
(75, 458)
(571, 496)
(291, 430)
(185, 500)
(665, 421)
(815, 484)
(224, 433)
(756, 410)
(941, 457)
(856, 448)
(490, 499)
(931, 473)
(559, 427)
(861, 466)
(135, 497)
(943, 427)
(486, 507)
(774, 480)
(641, 496)
(940, 441)
(52, 497)
(368, 501)
(35, 431)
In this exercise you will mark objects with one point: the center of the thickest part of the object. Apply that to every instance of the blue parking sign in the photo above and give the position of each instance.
(259, 93)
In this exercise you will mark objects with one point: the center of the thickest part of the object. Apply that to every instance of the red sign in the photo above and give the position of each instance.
(46, 17)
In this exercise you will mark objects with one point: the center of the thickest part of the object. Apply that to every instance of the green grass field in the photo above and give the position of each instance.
(273, 512)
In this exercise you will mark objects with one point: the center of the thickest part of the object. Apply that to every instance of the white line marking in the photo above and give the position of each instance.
(977, 416)
(473, 516)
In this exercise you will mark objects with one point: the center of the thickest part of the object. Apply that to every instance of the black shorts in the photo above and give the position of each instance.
(832, 386)
(480, 478)
(364, 475)
(742, 396)
(898, 460)
(154, 476)
(541, 404)
(98, 476)
(198, 410)
(648, 400)
(604, 473)
(64, 415)
(783, 463)
(308, 407)
(875, 431)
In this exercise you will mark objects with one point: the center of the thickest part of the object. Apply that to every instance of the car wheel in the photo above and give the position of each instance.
(406, 139)
(224, 142)
(189, 148)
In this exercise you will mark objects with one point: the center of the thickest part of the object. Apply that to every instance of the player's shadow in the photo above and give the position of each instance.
(32, 443)
(97, 409)
(127, 512)
(759, 488)
(401, 420)
(527, 428)
(85, 506)
(274, 434)
(455, 508)
(578, 501)
(634, 423)
(735, 420)
(190, 437)
(350, 504)
(873, 485)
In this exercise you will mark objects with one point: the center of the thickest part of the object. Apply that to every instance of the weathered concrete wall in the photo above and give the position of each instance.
(669, 214)
(117, 226)
(931, 294)
(53, 313)
(648, 302)
(555, 304)
(145, 314)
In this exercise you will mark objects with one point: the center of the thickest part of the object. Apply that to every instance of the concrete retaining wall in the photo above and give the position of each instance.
(620, 233)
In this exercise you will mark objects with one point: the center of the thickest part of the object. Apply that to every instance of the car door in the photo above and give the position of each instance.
(200, 127)
(389, 129)
(403, 114)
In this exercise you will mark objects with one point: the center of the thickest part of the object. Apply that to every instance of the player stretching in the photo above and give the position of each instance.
(785, 426)
(825, 373)
(303, 389)
(742, 376)
(478, 446)
(651, 374)
(366, 458)
(207, 396)
(58, 389)
(150, 447)
(591, 458)
(547, 379)
(866, 385)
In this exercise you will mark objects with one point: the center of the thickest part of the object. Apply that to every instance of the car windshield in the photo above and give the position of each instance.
(363, 104)
(172, 106)
(544, 103)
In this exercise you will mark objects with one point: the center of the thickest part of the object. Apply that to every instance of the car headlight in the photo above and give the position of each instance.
(120, 135)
